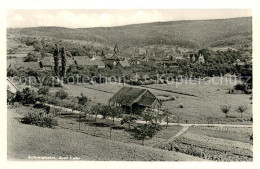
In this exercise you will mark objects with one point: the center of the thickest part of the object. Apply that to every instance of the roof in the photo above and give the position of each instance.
(89, 62)
(48, 58)
(112, 57)
(47, 62)
(11, 86)
(70, 62)
(146, 101)
(124, 63)
(127, 95)
(16, 64)
(81, 57)
(96, 58)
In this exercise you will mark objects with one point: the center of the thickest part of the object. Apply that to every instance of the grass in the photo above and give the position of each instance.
(205, 108)
(26, 140)
(119, 132)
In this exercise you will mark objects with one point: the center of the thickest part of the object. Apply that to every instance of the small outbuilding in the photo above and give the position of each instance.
(135, 100)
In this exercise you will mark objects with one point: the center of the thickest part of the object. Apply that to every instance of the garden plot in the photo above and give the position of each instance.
(229, 133)
(213, 148)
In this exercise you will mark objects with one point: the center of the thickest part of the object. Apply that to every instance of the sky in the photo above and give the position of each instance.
(76, 18)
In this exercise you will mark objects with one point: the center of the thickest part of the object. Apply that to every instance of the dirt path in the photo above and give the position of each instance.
(163, 122)
(183, 130)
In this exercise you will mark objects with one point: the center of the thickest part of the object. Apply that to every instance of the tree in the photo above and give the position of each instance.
(83, 101)
(129, 119)
(43, 90)
(145, 131)
(241, 109)
(147, 116)
(166, 115)
(105, 111)
(225, 109)
(63, 62)
(37, 46)
(29, 96)
(151, 116)
(61, 94)
(95, 110)
(56, 60)
(115, 112)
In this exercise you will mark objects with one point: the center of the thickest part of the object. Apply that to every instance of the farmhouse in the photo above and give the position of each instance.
(47, 64)
(17, 64)
(89, 63)
(135, 100)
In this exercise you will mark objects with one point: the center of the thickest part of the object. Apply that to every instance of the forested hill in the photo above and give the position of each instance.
(193, 33)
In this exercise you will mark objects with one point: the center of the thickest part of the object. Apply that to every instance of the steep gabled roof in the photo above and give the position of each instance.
(146, 101)
(89, 62)
(127, 95)
(124, 63)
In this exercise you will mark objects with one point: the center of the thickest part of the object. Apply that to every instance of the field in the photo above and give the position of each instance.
(26, 140)
(205, 108)
(217, 143)
(210, 143)
(194, 102)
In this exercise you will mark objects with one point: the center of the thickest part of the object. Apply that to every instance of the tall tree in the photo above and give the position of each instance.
(63, 62)
(56, 60)
(116, 49)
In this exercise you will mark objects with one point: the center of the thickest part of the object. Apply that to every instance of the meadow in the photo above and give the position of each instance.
(195, 102)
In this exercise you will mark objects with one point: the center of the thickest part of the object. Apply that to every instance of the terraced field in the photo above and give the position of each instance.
(215, 143)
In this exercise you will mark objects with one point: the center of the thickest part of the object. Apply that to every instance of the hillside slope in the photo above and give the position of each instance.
(27, 140)
(183, 33)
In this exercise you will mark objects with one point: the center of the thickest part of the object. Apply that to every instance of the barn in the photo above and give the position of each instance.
(135, 100)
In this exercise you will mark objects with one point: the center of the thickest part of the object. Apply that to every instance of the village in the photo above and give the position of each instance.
(178, 103)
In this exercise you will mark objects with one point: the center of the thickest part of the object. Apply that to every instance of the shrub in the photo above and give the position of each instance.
(39, 119)
(180, 106)
(241, 87)
(61, 94)
(225, 109)
(43, 90)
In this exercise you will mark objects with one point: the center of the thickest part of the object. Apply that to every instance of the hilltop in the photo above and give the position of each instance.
(188, 33)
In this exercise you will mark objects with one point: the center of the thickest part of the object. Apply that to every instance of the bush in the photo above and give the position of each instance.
(61, 94)
(180, 106)
(241, 87)
(43, 90)
(39, 119)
